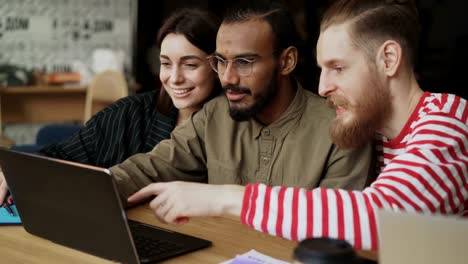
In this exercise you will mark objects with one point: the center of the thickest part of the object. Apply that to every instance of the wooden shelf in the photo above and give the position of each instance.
(50, 89)
(43, 89)
(44, 103)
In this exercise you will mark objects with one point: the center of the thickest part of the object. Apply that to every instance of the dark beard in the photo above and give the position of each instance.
(262, 100)
(370, 114)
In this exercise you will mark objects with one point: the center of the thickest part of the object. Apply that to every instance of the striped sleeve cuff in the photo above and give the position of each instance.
(246, 202)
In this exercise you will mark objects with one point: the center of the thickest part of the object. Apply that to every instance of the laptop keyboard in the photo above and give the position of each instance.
(149, 247)
(156, 244)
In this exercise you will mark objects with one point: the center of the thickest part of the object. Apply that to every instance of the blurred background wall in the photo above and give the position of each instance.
(48, 35)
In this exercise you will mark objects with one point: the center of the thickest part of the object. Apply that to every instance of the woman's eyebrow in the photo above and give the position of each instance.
(190, 57)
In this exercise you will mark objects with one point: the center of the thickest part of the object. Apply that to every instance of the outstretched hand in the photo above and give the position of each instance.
(176, 202)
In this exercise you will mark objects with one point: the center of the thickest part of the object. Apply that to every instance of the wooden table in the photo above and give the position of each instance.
(228, 235)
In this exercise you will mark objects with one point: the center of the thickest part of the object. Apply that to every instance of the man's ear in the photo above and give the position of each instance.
(389, 57)
(288, 60)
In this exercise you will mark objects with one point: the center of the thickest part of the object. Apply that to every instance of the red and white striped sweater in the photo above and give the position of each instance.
(424, 169)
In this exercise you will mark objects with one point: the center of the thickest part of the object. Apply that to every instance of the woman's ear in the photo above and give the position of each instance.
(389, 57)
(288, 60)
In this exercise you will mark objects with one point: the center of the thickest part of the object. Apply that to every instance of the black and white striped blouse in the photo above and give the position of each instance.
(129, 126)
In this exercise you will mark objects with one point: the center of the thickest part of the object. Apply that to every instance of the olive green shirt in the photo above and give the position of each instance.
(294, 151)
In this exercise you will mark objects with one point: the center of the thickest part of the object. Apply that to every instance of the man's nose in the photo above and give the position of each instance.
(230, 75)
(326, 86)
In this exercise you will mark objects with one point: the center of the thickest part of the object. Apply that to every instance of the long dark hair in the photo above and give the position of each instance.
(200, 28)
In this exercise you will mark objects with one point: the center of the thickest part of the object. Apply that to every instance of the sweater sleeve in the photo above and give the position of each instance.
(431, 176)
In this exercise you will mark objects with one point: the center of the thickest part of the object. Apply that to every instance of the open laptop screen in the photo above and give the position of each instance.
(78, 206)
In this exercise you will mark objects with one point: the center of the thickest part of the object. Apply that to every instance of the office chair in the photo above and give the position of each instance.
(106, 88)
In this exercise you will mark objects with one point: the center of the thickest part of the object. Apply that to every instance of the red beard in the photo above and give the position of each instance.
(368, 115)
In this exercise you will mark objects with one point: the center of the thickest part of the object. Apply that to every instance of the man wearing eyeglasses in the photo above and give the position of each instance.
(367, 73)
(265, 129)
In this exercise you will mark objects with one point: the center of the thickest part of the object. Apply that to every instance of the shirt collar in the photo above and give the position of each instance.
(281, 126)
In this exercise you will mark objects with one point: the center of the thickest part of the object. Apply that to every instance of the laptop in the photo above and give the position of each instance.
(422, 239)
(78, 206)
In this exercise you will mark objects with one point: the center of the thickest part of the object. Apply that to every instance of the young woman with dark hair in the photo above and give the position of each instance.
(138, 123)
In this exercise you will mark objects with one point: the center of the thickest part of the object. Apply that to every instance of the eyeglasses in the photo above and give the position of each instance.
(242, 66)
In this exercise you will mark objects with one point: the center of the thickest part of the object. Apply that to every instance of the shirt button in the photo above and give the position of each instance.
(265, 160)
(266, 132)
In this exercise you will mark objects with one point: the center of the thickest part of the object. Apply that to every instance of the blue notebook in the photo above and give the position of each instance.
(7, 219)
